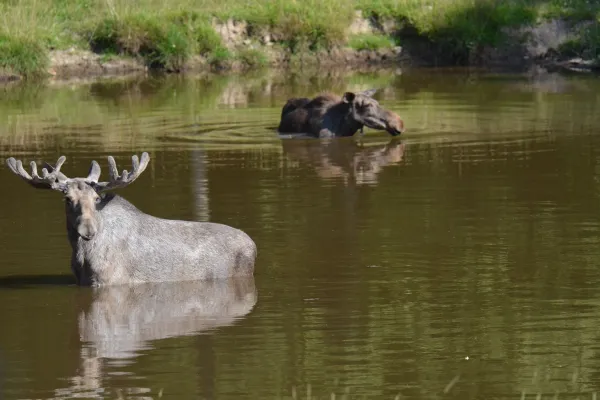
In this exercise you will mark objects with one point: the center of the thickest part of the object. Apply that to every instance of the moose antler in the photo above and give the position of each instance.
(116, 181)
(54, 179)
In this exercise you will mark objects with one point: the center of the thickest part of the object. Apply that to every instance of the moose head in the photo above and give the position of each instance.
(83, 196)
(367, 111)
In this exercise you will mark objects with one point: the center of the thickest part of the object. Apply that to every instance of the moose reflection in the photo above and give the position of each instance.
(123, 320)
(345, 159)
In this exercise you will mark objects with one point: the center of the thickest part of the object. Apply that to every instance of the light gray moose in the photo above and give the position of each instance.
(113, 242)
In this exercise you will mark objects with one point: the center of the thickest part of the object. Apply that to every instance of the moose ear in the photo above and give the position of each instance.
(348, 97)
(369, 92)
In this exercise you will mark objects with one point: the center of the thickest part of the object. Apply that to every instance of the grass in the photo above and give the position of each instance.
(575, 10)
(587, 45)
(313, 23)
(456, 27)
(480, 25)
(252, 58)
(22, 55)
(221, 57)
(160, 44)
(166, 34)
(370, 42)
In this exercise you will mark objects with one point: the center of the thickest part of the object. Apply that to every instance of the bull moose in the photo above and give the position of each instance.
(328, 115)
(113, 242)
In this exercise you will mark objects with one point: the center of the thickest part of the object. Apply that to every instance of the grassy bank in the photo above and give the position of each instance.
(167, 34)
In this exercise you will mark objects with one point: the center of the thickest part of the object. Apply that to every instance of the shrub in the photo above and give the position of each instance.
(22, 56)
(160, 42)
(370, 42)
(252, 57)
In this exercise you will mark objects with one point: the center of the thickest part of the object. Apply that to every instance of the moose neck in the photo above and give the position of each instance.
(350, 125)
(346, 124)
(113, 215)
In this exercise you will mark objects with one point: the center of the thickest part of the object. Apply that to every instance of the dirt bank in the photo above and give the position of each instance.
(74, 63)
(539, 44)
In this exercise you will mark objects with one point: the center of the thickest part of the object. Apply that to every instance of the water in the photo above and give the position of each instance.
(460, 261)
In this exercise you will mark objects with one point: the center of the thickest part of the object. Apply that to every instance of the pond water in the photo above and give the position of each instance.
(461, 260)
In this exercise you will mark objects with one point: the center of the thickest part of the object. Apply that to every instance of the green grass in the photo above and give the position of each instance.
(221, 57)
(587, 45)
(370, 42)
(22, 56)
(159, 43)
(575, 10)
(166, 34)
(252, 58)
(457, 27)
(312, 23)
(480, 25)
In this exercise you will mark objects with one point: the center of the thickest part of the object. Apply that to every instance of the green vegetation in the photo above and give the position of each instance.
(158, 43)
(163, 35)
(252, 57)
(587, 45)
(220, 57)
(370, 42)
(22, 55)
(456, 27)
(574, 10)
(167, 34)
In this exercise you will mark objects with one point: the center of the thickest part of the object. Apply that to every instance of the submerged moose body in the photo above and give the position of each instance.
(329, 115)
(113, 242)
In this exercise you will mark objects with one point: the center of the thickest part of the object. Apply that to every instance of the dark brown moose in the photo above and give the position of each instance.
(329, 115)
(113, 242)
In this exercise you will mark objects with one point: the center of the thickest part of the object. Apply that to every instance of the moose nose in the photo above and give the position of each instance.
(396, 126)
(86, 231)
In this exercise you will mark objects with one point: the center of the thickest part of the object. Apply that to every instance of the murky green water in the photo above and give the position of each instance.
(460, 261)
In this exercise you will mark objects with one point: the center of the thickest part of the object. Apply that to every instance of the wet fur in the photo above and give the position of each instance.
(325, 115)
(325, 112)
(133, 247)
(115, 243)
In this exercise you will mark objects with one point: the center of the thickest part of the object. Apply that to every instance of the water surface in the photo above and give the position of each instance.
(458, 261)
